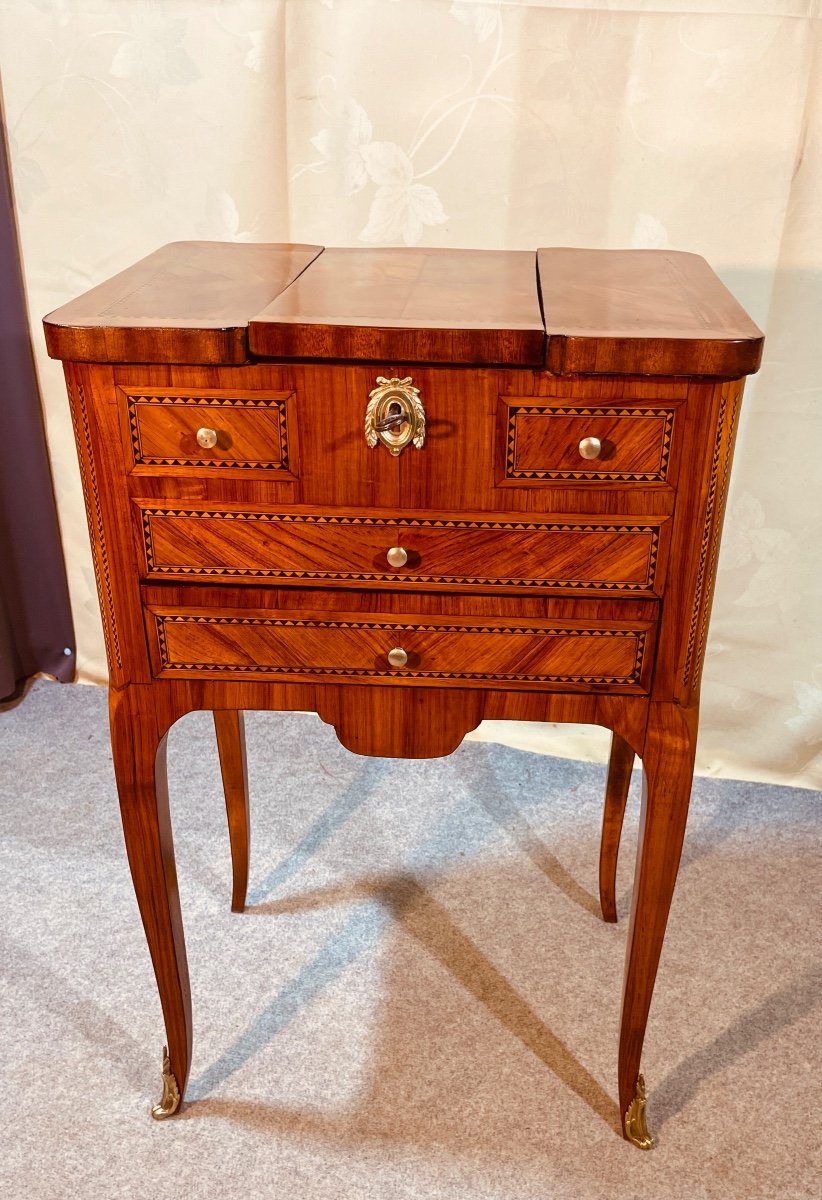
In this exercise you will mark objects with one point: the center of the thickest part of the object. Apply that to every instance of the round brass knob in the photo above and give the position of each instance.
(207, 438)
(397, 657)
(590, 447)
(397, 556)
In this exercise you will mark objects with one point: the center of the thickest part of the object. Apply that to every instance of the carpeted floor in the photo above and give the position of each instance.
(421, 1000)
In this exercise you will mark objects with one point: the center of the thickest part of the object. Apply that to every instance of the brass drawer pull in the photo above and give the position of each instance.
(397, 556)
(397, 657)
(590, 447)
(207, 438)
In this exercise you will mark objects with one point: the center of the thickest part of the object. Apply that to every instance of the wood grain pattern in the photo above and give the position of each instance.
(620, 763)
(570, 554)
(414, 305)
(542, 443)
(139, 725)
(112, 543)
(537, 586)
(727, 416)
(454, 711)
(302, 646)
(625, 312)
(229, 727)
(696, 525)
(94, 516)
(251, 430)
(461, 448)
(655, 312)
(543, 606)
(187, 302)
(667, 763)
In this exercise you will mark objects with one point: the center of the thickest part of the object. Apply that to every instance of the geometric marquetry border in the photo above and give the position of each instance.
(658, 476)
(639, 635)
(274, 572)
(711, 530)
(194, 401)
(94, 514)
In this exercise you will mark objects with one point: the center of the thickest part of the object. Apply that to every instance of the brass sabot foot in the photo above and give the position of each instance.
(636, 1128)
(170, 1099)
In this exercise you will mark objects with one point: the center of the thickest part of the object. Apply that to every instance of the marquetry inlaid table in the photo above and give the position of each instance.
(408, 490)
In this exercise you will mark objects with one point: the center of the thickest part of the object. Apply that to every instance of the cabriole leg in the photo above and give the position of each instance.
(668, 762)
(138, 739)
(230, 729)
(616, 795)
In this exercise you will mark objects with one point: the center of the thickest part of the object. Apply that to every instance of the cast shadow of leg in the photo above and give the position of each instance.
(777, 1011)
(405, 900)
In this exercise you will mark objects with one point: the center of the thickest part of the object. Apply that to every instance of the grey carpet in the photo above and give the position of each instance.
(421, 1001)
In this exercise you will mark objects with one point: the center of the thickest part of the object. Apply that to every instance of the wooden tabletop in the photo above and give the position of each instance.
(605, 311)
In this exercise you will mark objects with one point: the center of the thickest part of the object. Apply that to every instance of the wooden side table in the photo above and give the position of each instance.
(408, 490)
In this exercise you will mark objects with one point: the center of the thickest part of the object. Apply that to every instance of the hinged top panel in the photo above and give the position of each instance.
(188, 302)
(643, 312)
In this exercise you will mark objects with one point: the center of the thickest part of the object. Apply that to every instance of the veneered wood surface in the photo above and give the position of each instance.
(543, 607)
(229, 726)
(426, 305)
(620, 764)
(543, 443)
(451, 550)
(660, 312)
(360, 713)
(605, 311)
(186, 302)
(668, 765)
(251, 430)
(709, 429)
(460, 467)
(103, 461)
(139, 724)
(301, 645)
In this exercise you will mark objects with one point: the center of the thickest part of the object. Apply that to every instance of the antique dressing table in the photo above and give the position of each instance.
(408, 490)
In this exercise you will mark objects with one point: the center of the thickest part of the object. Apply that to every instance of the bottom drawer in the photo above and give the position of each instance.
(305, 645)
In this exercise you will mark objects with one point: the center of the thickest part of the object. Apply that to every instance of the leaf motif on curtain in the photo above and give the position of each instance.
(768, 554)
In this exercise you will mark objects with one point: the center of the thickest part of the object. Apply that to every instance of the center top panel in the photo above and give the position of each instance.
(408, 305)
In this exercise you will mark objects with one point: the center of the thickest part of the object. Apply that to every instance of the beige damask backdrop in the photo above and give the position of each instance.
(692, 124)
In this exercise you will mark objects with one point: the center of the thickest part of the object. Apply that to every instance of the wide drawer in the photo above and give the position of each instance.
(200, 431)
(570, 553)
(307, 645)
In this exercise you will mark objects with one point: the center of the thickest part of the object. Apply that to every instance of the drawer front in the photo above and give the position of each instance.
(205, 431)
(545, 443)
(495, 442)
(571, 553)
(502, 651)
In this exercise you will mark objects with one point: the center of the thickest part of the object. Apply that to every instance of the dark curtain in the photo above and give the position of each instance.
(35, 618)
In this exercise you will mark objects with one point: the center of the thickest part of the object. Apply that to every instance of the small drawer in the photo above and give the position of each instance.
(568, 553)
(236, 433)
(300, 645)
(548, 442)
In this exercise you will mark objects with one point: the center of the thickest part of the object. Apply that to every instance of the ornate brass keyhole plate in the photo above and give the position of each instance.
(395, 415)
